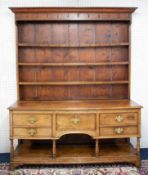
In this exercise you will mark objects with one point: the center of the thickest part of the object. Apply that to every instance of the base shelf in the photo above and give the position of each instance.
(75, 154)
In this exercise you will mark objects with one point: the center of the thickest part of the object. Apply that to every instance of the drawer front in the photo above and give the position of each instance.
(118, 131)
(118, 119)
(70, 122)
(31, 132)
(32, 120)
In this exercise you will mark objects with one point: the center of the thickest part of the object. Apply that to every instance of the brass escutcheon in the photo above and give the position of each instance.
(75, 120)
(32, 120)
(32, 131)
(119, 130)
(118, 118)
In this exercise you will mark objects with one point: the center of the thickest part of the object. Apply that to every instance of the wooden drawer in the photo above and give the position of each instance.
(75, 122)
(118, 131)
(32, 132)
(32, 120)
(118, 119)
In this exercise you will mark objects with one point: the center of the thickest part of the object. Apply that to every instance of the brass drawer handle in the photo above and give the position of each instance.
(32, 120)
(32, 132)
(118, 118)
(75, 120)
(119, 130)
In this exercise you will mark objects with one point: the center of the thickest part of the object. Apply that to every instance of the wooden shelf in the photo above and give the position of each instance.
(74, 83)
(74, 64)
(69, 46)
(41, 154)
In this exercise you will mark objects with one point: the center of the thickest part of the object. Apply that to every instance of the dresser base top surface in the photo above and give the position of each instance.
(74, 105)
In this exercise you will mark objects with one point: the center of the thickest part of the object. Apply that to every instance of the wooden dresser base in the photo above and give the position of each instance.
(76, 132)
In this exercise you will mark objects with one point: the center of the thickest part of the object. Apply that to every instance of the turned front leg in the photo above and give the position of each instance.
(138, 161)
(138, 146)
(11, 149)
(97, 148)
(54, 148)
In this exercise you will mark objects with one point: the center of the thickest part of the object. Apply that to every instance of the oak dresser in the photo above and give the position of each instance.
(73, 84)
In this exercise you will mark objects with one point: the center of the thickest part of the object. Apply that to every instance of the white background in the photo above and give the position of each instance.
(139, 83)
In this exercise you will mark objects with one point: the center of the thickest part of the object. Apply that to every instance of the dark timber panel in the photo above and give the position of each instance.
(92, 57)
